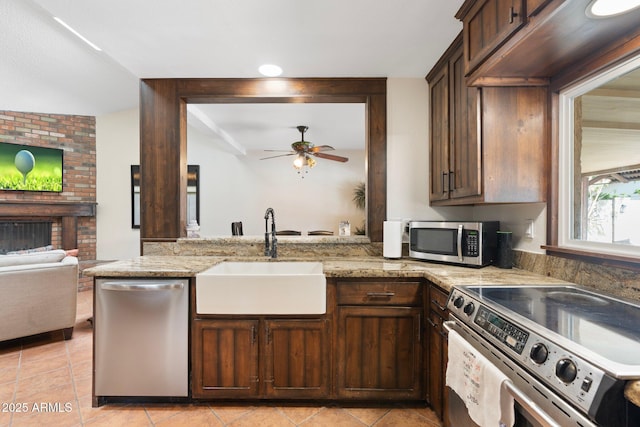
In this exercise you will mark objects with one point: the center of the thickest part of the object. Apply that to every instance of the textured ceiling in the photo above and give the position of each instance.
(45, 68)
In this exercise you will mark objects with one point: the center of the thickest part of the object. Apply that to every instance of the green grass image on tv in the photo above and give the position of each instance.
(46, 174)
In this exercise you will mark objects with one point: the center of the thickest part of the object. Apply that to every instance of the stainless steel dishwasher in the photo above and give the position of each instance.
(141, 329)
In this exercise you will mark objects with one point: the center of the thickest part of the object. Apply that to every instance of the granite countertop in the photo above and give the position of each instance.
(445, 276)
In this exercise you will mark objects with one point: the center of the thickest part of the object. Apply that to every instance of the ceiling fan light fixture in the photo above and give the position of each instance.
(608, 8)
(270, 70)
(311, 162)
(299, 162)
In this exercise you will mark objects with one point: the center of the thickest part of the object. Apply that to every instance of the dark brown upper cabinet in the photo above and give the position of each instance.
(487, 145)
(529, 42)
(455, 147)
(487, 25)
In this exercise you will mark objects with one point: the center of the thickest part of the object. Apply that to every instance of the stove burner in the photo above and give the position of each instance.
(574, 298)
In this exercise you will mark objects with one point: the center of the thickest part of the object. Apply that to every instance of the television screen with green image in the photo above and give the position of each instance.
(28, 168)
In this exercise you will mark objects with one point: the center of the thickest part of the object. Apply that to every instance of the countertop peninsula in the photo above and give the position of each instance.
(445, 276)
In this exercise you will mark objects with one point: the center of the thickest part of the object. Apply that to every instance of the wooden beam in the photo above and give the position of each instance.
(46, 209)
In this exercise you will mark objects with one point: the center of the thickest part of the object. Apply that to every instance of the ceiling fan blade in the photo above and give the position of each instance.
(331, 157)
(281, 151)
(321, 148)
(279, 155)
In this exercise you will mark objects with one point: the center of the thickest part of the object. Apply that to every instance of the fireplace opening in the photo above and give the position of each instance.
(21, 235)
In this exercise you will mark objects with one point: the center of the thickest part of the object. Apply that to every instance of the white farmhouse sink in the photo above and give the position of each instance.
(277, 287)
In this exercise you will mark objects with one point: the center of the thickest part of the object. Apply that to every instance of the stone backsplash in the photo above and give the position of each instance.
(252, 246)
(616, 281)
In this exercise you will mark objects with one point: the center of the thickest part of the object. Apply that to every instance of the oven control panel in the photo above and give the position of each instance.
(568, 374)
(506, 332)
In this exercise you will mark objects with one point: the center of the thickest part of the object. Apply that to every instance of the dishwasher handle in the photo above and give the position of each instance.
(136, 286)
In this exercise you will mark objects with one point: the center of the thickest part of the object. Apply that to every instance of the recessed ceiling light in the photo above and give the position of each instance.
(607, 8)
(64, 24)
(270, 70)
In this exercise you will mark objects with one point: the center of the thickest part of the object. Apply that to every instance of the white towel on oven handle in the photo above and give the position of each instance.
(479, 384)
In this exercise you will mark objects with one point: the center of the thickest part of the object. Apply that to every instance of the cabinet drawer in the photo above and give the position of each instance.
(438, 299)
(380, 293)
(435, 320)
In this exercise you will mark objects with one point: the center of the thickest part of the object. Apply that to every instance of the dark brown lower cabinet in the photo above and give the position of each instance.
(256, 358)
(379, 353)
(436, 379)
(297, 359)
(367, 346)
(438, 352)
(225, 358)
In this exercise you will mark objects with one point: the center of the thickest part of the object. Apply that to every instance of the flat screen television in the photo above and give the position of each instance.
(28, 168)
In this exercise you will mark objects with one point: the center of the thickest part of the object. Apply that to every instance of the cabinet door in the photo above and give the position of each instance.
(436, 378)
(297, 359)
(488, 25)
(464, 163)
(445, 394)
(225, 358)
(439, 138)
(380, 353)
(535, 6)
(514, 156)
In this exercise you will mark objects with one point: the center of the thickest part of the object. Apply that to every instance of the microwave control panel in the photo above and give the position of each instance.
(471, 243)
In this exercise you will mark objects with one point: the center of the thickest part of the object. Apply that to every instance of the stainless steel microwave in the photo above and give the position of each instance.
(472, 243)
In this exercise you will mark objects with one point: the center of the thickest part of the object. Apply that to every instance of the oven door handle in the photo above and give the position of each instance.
(529, 405)
(525, 401)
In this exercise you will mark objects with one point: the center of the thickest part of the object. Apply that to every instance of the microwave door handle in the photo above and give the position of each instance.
(460, 242)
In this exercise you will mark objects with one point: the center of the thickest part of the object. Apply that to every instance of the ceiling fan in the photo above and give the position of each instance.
(303, 150)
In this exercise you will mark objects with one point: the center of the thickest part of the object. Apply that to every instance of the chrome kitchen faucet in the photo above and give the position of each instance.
(270, 250)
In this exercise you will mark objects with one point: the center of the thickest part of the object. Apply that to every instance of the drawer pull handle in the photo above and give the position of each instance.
(437, 304)
(380, 294)
(432, 323)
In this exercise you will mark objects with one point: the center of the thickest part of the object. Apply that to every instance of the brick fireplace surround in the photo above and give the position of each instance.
(71, 212)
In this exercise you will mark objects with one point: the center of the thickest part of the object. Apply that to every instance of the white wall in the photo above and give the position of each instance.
(117, 148)
(240, 188)
(515, 218)
(407, 183)
(408, 154)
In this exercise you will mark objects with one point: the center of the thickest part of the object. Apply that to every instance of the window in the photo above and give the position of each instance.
(599, 163)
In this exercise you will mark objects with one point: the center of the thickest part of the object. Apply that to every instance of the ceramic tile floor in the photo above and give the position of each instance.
(45, 380)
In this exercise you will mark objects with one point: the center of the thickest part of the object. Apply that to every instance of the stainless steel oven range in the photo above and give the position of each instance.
(567, 351)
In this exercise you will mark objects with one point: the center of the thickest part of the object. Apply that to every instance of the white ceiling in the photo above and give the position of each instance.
(273, 126)
(47, 69)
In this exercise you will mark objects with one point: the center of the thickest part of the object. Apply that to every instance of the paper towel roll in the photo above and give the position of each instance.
(392, 239)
